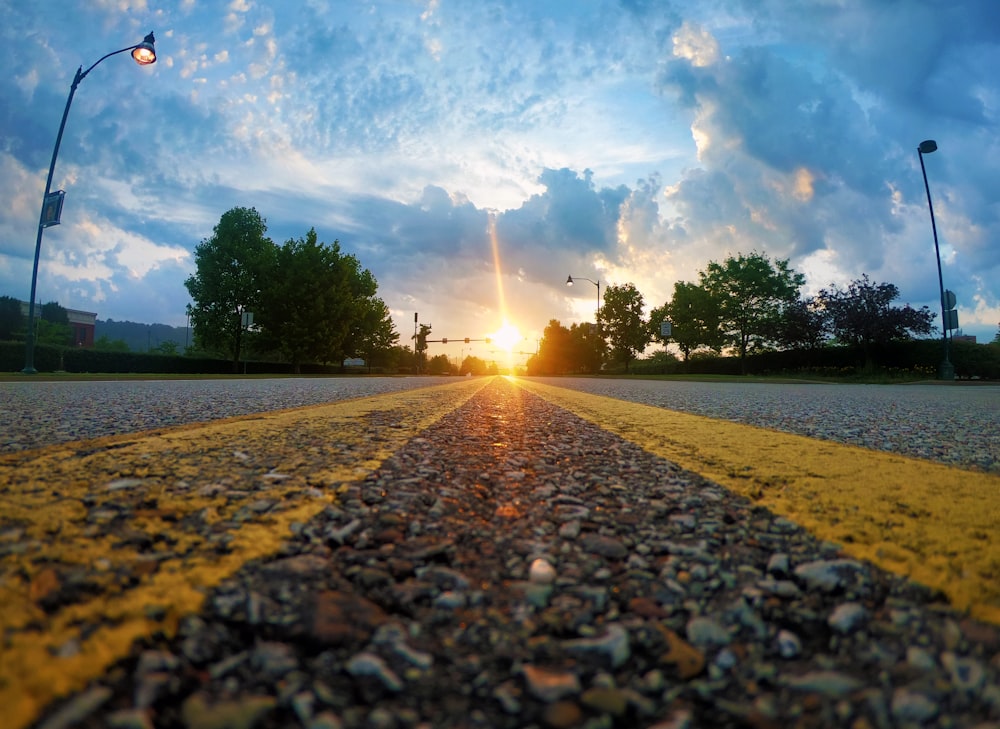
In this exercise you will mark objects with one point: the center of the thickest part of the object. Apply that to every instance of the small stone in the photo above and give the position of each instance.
(342, 617)
(777, 565)
(541, 572)
(847, 617)
(450, 600)
(508, 694)
(688, 660)
(369, 664)
(550, 686)
(613, 645)
(570, 530)
(704, 632)
(920, 658)
(604, 546)
(910, 706)
(826, 683)
(605, 700)
(789, 645)
(827, 575)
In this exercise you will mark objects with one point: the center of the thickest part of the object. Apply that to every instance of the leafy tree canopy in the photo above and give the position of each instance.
(863, 314)
(12, 321)
(622, 322)
(751, 293)
(232, 269)
(695, 320)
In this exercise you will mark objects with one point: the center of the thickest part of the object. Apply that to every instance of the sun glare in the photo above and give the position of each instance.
(506, 337)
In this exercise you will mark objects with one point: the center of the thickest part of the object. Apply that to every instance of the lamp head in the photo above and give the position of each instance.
(144, 53)
(569, 280)
(927, 146)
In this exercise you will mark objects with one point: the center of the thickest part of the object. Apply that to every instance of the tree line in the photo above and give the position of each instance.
(744, 305)
(303, 301)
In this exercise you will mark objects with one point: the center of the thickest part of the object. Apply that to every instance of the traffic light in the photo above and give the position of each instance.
(444, 340)
(466, 340)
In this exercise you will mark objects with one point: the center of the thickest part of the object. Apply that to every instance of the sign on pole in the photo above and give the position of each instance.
(52, 208)
(666, 328)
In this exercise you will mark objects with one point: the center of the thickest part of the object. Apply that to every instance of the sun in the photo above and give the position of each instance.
(506, 337)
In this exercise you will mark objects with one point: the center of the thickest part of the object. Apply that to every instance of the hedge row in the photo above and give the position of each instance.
(68, 359)
(918, 356)
(922, 356)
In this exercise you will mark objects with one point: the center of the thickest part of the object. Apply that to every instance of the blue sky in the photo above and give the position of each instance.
(616, 140)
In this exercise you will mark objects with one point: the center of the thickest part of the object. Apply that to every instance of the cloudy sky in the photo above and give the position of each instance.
(473, 153)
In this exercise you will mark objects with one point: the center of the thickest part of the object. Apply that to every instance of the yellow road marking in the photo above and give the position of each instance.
(133, 518)
(932, 523)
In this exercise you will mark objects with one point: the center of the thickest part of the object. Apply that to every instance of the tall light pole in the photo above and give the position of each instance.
(144, 54)
(946, 370)
(597, 283)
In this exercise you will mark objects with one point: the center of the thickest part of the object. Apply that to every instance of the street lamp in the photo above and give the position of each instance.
(946, 370)
(144, 54)
(597, 283)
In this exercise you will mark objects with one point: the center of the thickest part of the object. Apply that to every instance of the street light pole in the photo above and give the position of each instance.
(597, 283)
(946, 370)
(144, 54)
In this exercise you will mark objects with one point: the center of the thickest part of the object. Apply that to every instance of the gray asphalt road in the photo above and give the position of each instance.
(953, 424)
(35, 414)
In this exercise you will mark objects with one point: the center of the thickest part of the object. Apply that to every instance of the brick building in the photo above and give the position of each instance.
(82, 324)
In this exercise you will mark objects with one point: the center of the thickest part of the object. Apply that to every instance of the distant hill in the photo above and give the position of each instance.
(141, 337)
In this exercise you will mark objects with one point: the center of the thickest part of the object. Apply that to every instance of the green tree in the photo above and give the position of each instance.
(378, 333)
(231, 273)
(862, 314)
(587, 348)
(751, 294)
(803, 325)
(53, 327)
(439, 365)
(167, 347)
(694, 317)
(105, 344)
(622, 323)
(996, 339)
(313, 307)
(473, 366)
(555, 351)
(12, 321)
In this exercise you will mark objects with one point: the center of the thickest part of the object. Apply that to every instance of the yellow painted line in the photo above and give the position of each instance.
(929, 522)
(133, 517)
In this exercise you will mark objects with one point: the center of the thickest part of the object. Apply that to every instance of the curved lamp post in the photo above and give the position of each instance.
(597, 283)
(144, 54)
(946, 371)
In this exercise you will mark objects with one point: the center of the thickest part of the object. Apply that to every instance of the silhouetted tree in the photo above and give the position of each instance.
(862, 314)
(803, 324)
(622, 323)
(12, 321)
